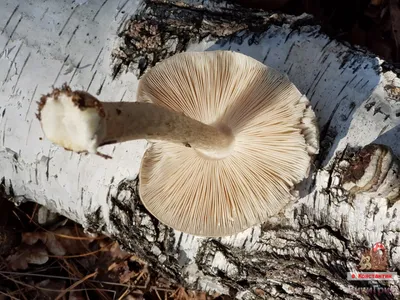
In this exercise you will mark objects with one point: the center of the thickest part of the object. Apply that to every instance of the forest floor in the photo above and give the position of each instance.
(46, 256)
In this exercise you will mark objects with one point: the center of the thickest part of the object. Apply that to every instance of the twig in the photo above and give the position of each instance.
(57, 234)
(158, 295)
(124, 294)
(46, 289)
(73, 271)
(69, 278)
(80, 255)
(7, 295)
(19, 289)
(71, 287)
(33, 213)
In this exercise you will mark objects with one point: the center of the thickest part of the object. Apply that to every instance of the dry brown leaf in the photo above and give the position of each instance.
(259, 292)
(114, 250)
(121, 271)
(60, 242)
(25, 255)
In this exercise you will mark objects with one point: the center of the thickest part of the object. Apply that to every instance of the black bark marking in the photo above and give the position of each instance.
(11, 35)
(347, 57)
(328, 123)
(290, 69)
(9, 19)
(266, 55)
(351, 109)
(66, 22)
(36, 174)
(318, 81)
(120, 9)
(123, 96)
(82, 190)
(72, 35)
(326, 45)
(22, 70)
(48, 166)
(122, 22)
(76, 69)
(45, 12)
(351, 81)
(345, 85)
(12, 62)
(312, 95)
(363, 86)
(59, 72)
(311, 85)
(4, 133)
(289, 52)
(30, 102)
(29, 131)
(97, 57)
(358, 82)
(290, 34)
(91, 80)
(101, 86)
(97, 12)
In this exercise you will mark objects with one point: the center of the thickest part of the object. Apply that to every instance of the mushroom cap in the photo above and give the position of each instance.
(275, 137)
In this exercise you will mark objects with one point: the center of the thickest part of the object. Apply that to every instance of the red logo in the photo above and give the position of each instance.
(374, 259)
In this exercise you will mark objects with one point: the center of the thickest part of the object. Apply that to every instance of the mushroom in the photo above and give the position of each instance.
(229, 138)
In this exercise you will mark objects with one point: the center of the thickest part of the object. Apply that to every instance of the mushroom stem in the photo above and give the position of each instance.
(137, 120)
(79, 122)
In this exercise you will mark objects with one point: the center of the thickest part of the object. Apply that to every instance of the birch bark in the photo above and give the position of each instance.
(104, 47)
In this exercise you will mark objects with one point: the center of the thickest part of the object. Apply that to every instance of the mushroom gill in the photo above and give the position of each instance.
(230, 137)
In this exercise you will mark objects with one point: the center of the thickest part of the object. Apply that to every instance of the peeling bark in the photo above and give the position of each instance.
(348, 204)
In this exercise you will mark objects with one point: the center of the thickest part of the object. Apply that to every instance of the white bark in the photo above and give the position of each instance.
(355, 99)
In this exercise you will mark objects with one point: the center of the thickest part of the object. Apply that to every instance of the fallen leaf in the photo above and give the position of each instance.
(46, 216)
(259, 292)
(60, 242)
(26, 255)
(114, 250)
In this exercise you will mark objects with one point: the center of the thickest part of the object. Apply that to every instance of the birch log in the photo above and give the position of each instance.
(348, 204)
